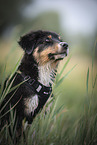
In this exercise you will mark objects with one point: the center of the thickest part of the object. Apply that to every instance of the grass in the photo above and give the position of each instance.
(71, 120)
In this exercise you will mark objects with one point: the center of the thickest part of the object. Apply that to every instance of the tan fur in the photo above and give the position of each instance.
(59, 37)
(50, 36)
(42, 57)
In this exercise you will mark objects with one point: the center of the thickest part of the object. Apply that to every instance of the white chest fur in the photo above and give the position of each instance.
(45, 74)
(31, 104)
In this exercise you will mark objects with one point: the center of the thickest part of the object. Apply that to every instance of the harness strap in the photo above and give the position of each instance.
(37, 87)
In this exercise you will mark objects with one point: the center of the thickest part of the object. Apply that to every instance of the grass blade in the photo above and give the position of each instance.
(59, 75)
(58, 111)
(11, 108)
(15, 68)
(8, 101)
(62, 79)
(6, 90)
(8, 83)
(87, 81)
(93, 54)
(15, 87)
(95, 81)
(3, 79)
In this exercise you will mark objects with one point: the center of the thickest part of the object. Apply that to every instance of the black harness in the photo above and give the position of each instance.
(37, 87)
(42, 91)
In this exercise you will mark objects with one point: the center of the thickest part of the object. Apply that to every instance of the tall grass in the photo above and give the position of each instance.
(59, 126)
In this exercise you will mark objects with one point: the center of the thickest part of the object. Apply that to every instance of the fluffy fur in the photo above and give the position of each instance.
(43, 51)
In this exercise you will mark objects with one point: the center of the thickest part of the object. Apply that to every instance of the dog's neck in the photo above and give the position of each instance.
(45, 74)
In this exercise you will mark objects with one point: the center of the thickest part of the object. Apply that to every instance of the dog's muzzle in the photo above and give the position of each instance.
(61, 52)
(64, 48)
(64, 45)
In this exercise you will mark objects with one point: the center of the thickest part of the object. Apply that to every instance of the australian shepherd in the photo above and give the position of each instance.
(43, 51)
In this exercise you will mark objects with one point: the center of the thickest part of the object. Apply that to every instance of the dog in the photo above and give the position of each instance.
(43, 51)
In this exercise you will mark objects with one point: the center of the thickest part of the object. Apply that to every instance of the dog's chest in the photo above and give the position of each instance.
(45, 78)
(45, 74)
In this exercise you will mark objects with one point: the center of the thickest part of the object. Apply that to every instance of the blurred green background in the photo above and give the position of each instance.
(75, 21)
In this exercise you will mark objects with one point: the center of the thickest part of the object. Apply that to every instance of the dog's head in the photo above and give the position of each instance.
(44, 46)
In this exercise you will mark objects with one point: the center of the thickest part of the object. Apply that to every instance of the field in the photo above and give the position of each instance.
(72, 119)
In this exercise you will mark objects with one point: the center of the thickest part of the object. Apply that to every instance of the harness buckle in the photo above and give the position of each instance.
(31, 81)
(27, 78)
(39, 88)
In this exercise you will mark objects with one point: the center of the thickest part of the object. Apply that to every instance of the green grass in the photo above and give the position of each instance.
(72, 118)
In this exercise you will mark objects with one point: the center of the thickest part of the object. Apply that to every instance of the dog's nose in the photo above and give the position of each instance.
(64, 45)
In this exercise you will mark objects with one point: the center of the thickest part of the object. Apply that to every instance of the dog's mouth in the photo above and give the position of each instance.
(58, 56)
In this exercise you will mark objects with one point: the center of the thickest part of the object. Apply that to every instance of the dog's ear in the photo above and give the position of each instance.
(27, 43)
